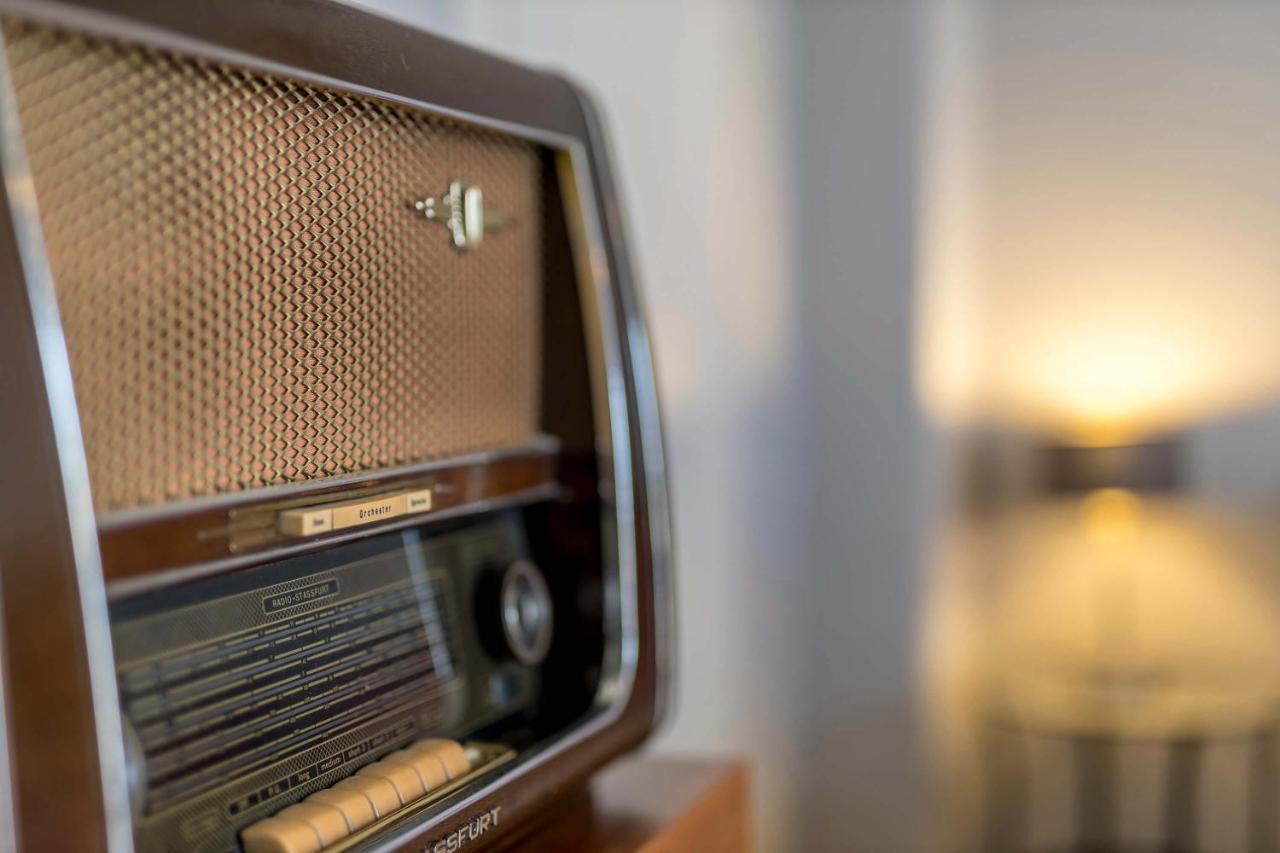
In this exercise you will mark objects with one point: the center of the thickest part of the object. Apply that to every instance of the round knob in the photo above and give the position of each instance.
(525, 605)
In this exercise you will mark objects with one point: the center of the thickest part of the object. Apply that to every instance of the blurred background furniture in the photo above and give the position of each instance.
(1103, 717)
(1126, 677)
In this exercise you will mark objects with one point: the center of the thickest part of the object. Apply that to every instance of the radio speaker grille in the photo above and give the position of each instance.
(247, 294)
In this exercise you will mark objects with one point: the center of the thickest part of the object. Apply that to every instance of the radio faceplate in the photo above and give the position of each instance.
(246, 692)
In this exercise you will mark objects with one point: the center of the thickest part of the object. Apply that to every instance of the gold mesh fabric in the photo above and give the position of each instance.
(248, 296)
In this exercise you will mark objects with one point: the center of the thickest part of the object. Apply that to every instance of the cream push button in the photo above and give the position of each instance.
(380, 793)
(356, 808)
(430, 769)
(367, 511)
(449, 752)
(404, 777)
(304, 522)
(419, 501)
(375, 791)
(281, 835)
(328, 822)
(323, 518)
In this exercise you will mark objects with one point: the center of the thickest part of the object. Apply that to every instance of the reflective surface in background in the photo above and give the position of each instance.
(1100, 663)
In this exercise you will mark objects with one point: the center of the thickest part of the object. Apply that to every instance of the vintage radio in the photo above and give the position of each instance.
(333, 510)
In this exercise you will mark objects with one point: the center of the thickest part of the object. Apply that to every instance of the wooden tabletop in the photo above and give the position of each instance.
(652, 805)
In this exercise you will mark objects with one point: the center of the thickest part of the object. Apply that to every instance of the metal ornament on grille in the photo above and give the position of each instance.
(462, 210)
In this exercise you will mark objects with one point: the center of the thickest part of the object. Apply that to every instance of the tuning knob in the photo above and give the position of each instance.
(519, 614)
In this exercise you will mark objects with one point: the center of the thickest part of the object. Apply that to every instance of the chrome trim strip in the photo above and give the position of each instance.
(652, 447)
(653, 453)
(74, 470)
(544, 445)
(609, 390)
(8, 814)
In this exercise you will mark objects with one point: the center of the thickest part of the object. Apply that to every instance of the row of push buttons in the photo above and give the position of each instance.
(376, 791)
(324, 518)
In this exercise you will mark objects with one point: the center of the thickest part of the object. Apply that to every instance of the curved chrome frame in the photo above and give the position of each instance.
(8, 818)
(611, 315)
(74, 469)
(648, 412)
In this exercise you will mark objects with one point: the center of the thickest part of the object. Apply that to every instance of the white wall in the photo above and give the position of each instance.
(860, 81)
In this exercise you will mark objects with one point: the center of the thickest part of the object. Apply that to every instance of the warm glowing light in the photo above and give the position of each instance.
(1073, 282)
(1111, 516)
(1111, 356)
(1106, 383)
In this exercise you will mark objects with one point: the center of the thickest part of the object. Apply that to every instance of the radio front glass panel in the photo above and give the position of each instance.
(350, 392)
(244, 692)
